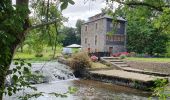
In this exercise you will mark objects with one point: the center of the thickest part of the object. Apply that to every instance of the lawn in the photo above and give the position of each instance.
(148, 59)
(47, 54)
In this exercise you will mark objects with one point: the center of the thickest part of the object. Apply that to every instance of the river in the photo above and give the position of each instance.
(60, 78)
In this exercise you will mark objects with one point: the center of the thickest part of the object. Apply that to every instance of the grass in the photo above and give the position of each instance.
(98, 65)
(148, 59)
(47, 54)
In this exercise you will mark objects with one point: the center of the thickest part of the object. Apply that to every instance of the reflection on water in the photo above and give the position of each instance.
(88, 90)
(62, 78)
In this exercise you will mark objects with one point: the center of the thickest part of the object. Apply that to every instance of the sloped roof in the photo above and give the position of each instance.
(103, 15)
(74, 46)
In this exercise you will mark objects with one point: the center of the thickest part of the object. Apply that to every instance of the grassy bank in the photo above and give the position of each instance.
(30, 56)
(148, 59)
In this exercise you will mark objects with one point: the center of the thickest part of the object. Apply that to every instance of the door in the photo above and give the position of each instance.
(110, 50)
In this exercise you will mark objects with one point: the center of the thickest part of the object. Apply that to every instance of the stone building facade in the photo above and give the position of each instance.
(95, 37)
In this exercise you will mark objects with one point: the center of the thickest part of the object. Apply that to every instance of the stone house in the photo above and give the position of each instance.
(95, 37)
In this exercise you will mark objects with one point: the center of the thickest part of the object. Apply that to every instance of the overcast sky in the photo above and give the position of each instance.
(81, 10)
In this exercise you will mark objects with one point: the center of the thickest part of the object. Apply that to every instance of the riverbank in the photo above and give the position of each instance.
(61, 78)
(119, 77)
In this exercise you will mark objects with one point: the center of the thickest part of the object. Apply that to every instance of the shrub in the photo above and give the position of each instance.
(80, 61)
(122, 56)
(132, 54)
(38, 55)
(120, 53)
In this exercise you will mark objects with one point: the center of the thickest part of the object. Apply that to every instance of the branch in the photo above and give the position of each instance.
(41, 25)
(158, 8)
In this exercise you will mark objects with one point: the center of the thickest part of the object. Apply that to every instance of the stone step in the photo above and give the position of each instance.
(119, 62)
(124, 78)
(128, 75)
(110, 58)
(115, 60)
(123, 65)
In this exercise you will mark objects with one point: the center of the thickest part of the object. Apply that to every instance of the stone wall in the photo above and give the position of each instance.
(93, 32)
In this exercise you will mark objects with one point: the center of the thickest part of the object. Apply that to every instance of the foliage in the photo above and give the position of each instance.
(122, 56)
(19, 78)
(14, 25)
(80, 61)
(160, 89)
(78, 30)
(70, 37)
(71, 90)
(147, 31)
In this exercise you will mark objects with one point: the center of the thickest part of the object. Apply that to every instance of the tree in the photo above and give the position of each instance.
(78, 29)
(69, 34)
(161, 8)
(146, 31)
(14, 26)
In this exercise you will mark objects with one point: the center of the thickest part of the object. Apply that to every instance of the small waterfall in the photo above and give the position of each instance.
(53, 71)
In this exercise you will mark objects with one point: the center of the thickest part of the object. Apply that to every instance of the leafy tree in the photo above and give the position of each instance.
(146, 29)
(78, 29)
(70, 37)
(14, 26)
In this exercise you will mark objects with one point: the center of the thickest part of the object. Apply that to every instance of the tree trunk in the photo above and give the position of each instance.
(55, 42)
(7, 56)
(5, 67)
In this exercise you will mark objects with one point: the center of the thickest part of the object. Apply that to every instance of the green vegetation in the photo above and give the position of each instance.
(98, 65)
(160, 89)
(30, 56)
(80, 61)
(16, 24)
(147, 31)
(148, 59)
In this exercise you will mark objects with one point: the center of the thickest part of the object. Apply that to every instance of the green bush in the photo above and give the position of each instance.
(122, 56)
(80, 61)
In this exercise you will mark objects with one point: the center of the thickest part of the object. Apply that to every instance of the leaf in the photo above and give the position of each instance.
(15, 78)
(16, 63)
(26, 70)
(15, 70)
(29, 64)
(9, 93)
(22, 63)
(71, 2)
(64, 5)
(9, 89)
(18, 67)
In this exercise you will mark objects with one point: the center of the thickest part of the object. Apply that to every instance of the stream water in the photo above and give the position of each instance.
(61, 77)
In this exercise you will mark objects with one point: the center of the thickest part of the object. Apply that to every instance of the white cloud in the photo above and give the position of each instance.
(81, 10)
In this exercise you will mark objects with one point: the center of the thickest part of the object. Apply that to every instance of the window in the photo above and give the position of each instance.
(96, 25)
(111, 25)
(96, 40)
(85, 40)
(86, 28)
(122, 38)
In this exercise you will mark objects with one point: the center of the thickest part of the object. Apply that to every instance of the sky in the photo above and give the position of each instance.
(82, 10)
